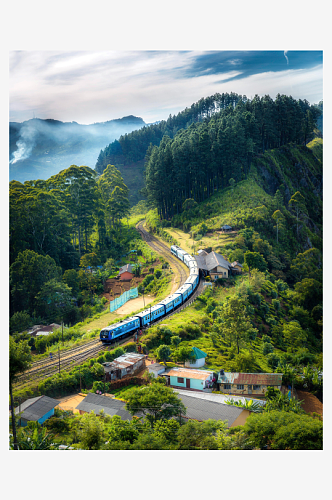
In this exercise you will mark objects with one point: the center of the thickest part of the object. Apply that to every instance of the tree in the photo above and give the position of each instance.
(156, 401)
(297, 204)
(175, 340)
(34, 437)
(20, 321)
(183, 353)
(199, 435)
(92, 432)
(19, 361)
(307, 265)
(308, 293)
(280, 219)
(282, 430)
(56, 299)
(294, 336)
(234, 321)
(163, 353)
(255, 260)
(28, 274)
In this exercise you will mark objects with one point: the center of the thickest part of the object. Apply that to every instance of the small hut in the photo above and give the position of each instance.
(226, 228)
(199, 359)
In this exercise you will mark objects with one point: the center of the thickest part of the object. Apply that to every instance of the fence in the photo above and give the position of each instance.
(119, 301)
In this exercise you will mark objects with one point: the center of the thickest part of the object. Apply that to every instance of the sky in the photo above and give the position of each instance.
(96, 86)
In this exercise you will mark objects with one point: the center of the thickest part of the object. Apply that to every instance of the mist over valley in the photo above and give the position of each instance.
(40, 148)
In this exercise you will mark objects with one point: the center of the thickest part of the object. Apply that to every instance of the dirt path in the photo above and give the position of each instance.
(134, 304)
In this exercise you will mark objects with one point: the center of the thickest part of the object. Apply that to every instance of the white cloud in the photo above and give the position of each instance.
(97, 86)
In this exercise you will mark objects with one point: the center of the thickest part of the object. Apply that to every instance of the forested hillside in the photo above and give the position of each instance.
(61, 229)
(224, 132)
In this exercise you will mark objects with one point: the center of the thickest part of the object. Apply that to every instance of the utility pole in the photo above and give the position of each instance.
(59, 357)
(62, 330)
(80, 378)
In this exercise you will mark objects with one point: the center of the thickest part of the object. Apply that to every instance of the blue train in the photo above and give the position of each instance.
(127, 327)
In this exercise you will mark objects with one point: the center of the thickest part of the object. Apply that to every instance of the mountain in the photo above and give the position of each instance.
(198, 150)
(40, 148)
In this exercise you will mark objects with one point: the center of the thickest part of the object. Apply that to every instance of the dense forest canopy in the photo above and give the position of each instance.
(225, 131)
(58, 227)
(206, 156)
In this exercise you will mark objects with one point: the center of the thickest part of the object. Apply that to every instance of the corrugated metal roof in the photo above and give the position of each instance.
(189, 373)
(214, 259)
(127, 268)
(96, 403)
(211, 260)
(236, 263)
(199, 409)
(217, 398)
(124, 361)
(250, 378)
(37, 407)
(198, 353)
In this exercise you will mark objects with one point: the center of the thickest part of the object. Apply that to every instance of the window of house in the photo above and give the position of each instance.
(240, 386)
(257, 387)
(180, 380)
(227, 386)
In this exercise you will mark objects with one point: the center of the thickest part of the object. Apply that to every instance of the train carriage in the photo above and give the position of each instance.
(185, 290)
(193, 265)
(164, 307)
(187, 259)
(122, 329)
(181, 254)
(171, 302)
(144, 317)
(193, 280)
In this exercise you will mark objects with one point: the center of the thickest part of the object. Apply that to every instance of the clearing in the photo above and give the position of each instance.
(216, 239)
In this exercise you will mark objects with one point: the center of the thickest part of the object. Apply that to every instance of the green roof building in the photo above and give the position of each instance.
(198, 360)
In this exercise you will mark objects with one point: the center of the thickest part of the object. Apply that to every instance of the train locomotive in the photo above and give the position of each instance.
(124, 328)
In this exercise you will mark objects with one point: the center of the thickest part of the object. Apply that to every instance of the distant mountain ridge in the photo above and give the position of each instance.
(41, 148)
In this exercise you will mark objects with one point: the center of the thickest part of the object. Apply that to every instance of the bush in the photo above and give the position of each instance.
(98, 385)
(20, 321)
(267, 348)
(118, 352)
(130, 347)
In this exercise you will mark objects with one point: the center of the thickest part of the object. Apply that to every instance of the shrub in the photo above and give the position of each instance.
(130, 347)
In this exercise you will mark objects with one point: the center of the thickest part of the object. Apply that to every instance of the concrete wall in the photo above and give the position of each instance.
(245, 391)
(126, 276)
(46, 416)
(197, 363)
(194, 383)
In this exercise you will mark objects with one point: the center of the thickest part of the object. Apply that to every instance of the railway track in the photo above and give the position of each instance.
(163, 250)
(76, 355)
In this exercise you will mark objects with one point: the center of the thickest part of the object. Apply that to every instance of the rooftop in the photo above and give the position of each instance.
(203, 409)
(211, 260)
(250, 378)
(189, 373)
(198, 353)
(127, 268)
(36, 408)
(111, 406)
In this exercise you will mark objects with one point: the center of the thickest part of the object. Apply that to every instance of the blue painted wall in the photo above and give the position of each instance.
(194, 383)
(46, 416)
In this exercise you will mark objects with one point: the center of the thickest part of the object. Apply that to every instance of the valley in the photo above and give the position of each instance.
(217, 179)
